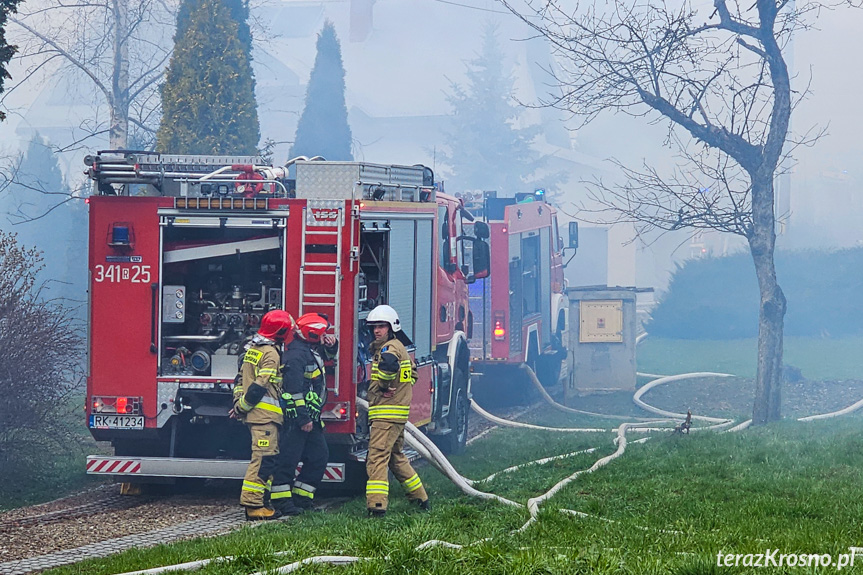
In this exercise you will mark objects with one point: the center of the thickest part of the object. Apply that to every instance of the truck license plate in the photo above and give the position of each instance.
(117, 422)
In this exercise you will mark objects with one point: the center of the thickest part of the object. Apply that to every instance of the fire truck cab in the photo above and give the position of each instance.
(188, 252)
(521, 310)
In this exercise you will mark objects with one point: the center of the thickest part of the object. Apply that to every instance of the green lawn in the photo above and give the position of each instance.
(817, 358)
(667, 506)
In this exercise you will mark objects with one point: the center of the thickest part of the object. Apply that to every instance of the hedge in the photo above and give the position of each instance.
(717, 298)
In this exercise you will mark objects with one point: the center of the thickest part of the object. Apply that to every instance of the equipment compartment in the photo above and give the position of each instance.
(217, 283)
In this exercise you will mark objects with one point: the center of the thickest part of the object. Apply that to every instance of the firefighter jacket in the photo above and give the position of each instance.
(392, 371)
(304, 379)
(256, 397)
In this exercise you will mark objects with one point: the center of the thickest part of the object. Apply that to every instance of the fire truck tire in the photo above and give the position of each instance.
(454, 442)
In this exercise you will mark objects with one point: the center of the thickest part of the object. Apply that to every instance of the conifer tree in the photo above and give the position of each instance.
(485, 148)
(6, 50)
(38, 207)
(323, 128)
(208, 98)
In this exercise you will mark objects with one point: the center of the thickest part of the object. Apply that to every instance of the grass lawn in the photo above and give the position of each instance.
(817, 358)
(58, 475)
(669, 505)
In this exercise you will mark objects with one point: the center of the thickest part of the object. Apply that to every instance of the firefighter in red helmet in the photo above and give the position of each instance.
(390, 394)
(257, 403)
(303, 397)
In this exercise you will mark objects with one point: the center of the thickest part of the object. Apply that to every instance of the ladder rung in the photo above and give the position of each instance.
(326, 303)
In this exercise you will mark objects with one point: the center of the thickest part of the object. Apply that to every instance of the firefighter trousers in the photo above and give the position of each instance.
(259, 474)
(310, 448)
(385, 452)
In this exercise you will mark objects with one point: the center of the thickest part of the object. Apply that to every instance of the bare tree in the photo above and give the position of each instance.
(41, 366)
(120, 46)
(719, 79)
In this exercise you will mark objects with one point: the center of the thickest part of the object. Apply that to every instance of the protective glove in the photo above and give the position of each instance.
(314, 404)
(288, 406)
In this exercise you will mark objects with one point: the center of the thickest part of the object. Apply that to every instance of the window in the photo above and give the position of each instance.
(557, 241)
(530, 274)
(443, 222)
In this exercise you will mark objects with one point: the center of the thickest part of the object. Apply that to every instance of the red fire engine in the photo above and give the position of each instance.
(188, 252)
(521, 311)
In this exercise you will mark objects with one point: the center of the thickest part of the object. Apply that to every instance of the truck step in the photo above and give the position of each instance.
(131, 467)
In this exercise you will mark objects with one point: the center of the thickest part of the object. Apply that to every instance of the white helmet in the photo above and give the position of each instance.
(386, 314)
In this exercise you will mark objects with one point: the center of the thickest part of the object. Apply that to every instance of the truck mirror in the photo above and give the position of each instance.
(573, 235)
(480, 230)
(481, 259)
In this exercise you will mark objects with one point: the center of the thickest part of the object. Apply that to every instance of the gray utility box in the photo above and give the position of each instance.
(602, 340)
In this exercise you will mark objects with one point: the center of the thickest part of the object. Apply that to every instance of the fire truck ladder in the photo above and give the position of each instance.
(323, 221)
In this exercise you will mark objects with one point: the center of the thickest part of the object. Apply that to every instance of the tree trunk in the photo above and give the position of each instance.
(771, 316)
(118, 136)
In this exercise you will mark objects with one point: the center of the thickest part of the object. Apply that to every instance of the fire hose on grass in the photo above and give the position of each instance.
(416, 439)
(426, 448)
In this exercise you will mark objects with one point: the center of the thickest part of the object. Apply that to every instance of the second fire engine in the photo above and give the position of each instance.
(520, 311)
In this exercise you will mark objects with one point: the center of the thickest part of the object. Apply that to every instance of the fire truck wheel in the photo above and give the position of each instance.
(453, 443)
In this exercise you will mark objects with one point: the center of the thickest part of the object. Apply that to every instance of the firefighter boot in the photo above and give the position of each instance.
(424, 505)
(261, 514)
(377, 511)
(287, 508)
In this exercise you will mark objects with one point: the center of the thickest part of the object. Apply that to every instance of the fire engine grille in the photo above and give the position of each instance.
(220, 203)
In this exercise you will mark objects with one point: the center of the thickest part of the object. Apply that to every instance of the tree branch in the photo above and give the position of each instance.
(65, 54)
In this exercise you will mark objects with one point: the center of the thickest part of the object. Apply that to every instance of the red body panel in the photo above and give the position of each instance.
(122, 361)
(452, 291)
(499, 247)
(421, 403)
(449, 293)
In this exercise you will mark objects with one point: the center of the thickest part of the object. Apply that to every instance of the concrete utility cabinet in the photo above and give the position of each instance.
(601, 340)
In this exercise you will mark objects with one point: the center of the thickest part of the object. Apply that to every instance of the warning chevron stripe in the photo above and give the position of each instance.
(110, 465)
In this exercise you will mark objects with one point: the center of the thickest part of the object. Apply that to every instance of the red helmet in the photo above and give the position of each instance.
(312, 327)
(277, 325)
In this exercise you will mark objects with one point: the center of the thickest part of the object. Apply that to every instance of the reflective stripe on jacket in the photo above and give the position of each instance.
(257, 395)
(393, 370)
(303, 372)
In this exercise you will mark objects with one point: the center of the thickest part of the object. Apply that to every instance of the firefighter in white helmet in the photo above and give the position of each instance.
(390, 392)
(257, 396)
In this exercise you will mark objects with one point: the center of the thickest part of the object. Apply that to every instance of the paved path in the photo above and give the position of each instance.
(196, 528)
